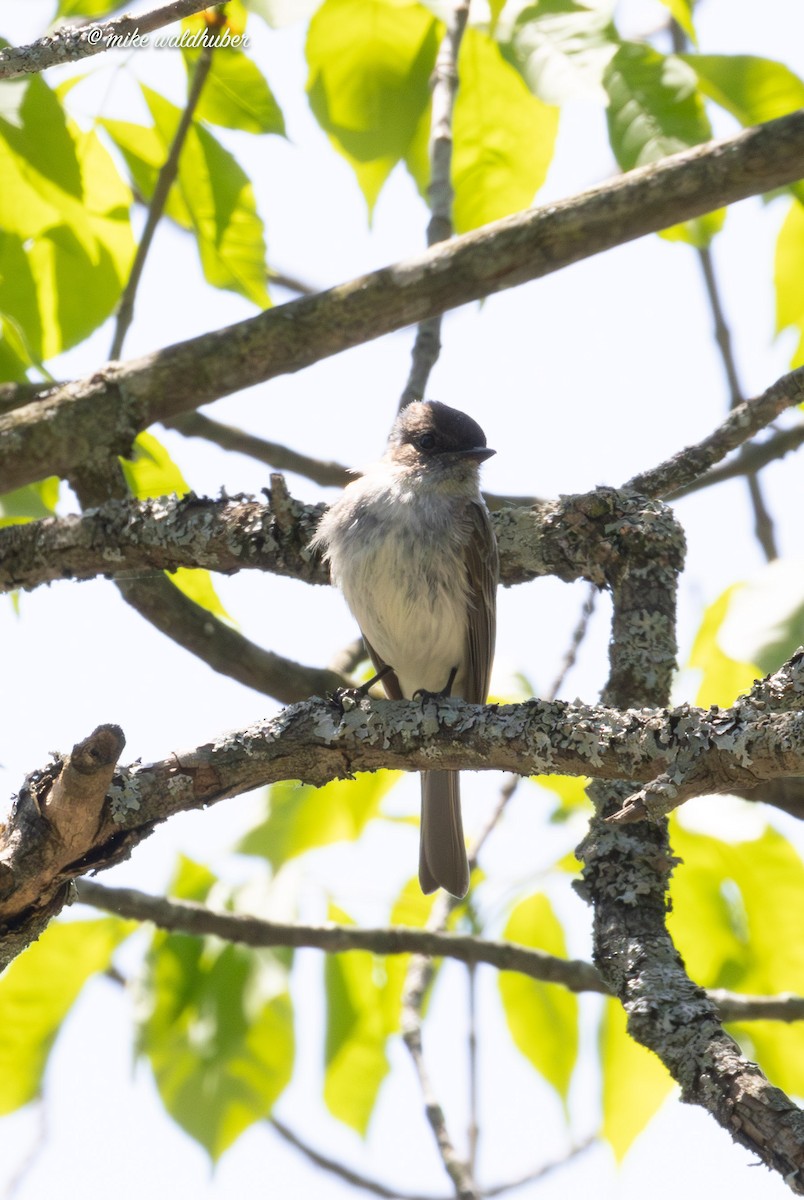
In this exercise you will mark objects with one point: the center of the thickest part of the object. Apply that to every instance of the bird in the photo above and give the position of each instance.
(411, 546)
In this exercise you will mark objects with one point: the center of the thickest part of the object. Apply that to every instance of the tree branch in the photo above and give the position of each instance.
(316, 742)
(184, 916)
(103, 413)
(69, 43)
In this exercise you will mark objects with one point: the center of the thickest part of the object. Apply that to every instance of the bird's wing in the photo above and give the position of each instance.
(482, 569)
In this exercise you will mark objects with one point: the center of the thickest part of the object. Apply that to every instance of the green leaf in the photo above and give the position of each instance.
(37, 992)
(236, 94)
(562, 48)
(67, 244)
(216, 1026)
(219, 200)
(503, 137)
(86, 8)
(635, 1082)
(764, 623)
(301, 818)
(363, 994)
(542, 1017)
(31, 502)
(149, 473)
(723, 678)
(753, 90)
(735, 918)
(370, 63)
(788, 273)
(570, 791)
(655, 110)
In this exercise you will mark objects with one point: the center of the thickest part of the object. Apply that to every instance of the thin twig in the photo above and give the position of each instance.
(164, 182)
(751, 458)
(427, 345)
(763, 523)
(274, 455)
(576, 640)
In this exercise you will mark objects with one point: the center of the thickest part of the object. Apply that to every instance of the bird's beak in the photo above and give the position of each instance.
(478, 453)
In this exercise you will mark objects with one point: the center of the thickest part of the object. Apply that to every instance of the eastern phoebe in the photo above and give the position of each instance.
(411, 547)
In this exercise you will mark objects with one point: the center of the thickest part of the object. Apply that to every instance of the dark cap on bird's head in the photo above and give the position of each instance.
(429, 430)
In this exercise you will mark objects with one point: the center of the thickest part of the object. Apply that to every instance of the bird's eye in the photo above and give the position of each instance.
(426, 441)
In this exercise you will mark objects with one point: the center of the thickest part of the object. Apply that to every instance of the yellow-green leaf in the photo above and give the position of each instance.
(370, 63)
(681, 12)
(570, 791)
(542, 1017)
(359, 1023)
(635, 1082)
(301, 818)
(31, 502)
(236, 94)
(562, 48)
(788, 273)
(723, 678)
(503, 137)
(38, 990)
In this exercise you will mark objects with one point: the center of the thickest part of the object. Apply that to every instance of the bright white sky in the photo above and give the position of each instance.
(583, 378)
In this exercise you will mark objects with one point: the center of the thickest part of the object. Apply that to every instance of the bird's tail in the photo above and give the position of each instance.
(442, 852)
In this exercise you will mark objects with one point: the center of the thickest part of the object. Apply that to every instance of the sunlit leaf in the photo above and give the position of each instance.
(302, 817)
(635, 1082)
(570, 791)
(788, 273)
(216, 1024)
(37, 992)
(219, 200)
(67, 244)
(370, 63)
(562, 48)
(764, 622)
(503, 137)
(542, 1017)
(236, 94)
(86, 8)
(655, 110)
(723, 678)
(355, 1059)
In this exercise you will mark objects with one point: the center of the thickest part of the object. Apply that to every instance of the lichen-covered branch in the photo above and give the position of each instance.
(70, 43)
(315, 742)
(101, 415)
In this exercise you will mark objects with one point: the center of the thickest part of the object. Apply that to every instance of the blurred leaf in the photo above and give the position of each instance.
(150, 473)
(31, 502)
(67, 244)
(788, 273)
(357, 1030)
(571, 793)
(655, 110)
(681, 12)
(764, 622)
(217, 1027)
(635, 1082)
(503, 137)
(542, 1017)
(735, 918)
(562, 48)
(301, 818)
(85, 8)
(753, 90)
(724, 678)
(370, 63)
(37, 992)
(236, 94)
